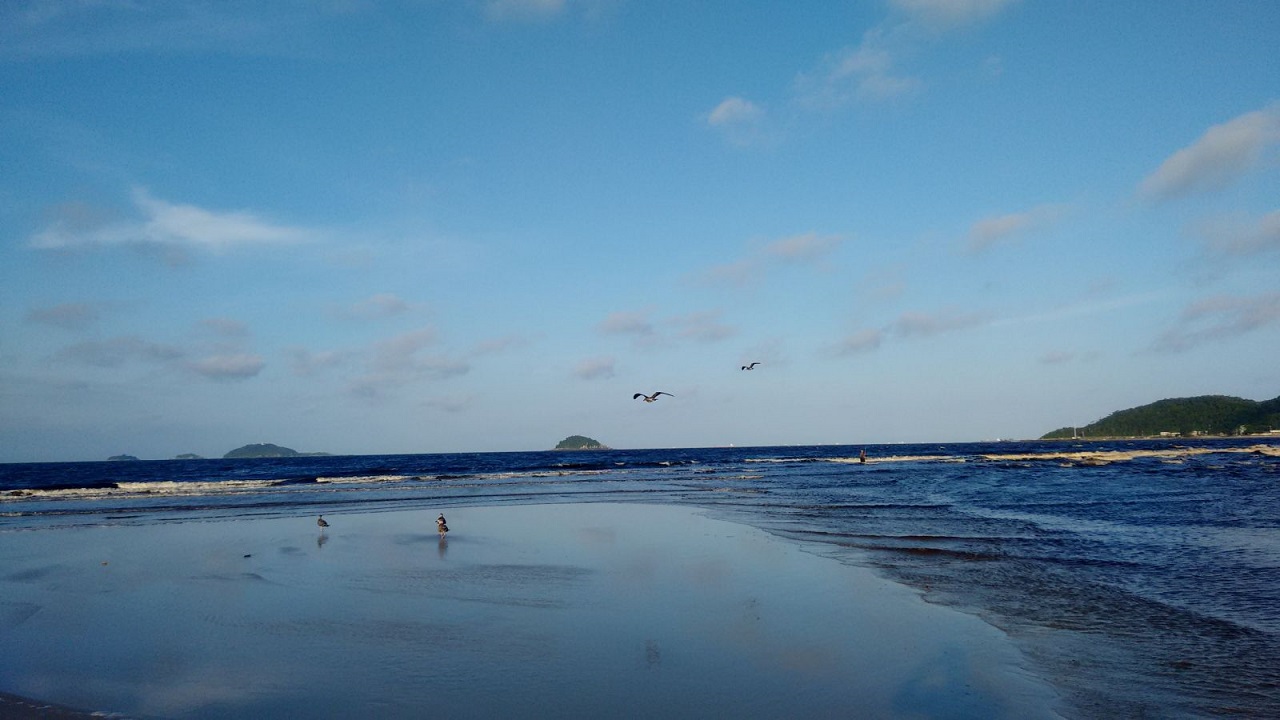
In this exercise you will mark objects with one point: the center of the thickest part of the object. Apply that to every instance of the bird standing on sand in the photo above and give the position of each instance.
(441, 527)
(752, 366)
(651, 398)
(322, 522)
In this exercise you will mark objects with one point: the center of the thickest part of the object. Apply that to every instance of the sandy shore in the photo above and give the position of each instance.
(567, 611)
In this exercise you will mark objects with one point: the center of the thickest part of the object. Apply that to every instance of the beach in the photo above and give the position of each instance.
(530, 610)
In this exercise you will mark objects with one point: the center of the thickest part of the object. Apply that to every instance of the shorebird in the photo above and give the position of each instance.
(651, 398)
(752, 366)
(441, 527)
(322, 522)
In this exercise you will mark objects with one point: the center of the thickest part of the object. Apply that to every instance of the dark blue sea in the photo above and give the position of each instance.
(1140, 578)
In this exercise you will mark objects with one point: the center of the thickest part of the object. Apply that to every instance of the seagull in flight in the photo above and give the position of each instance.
(752, 366)
(322, 522)
(651, 398)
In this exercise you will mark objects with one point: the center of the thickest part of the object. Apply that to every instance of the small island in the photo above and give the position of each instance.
(121, 457)
(187, 456)
(580, 442)
(266, 450)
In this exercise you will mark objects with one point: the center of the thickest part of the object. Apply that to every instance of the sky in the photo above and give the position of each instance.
(421, 226)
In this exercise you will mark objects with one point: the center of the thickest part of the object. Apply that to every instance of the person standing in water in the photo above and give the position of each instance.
(862, 456)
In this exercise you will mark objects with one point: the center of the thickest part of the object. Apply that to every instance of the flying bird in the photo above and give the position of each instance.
(322, 522)
(752, 366)
(651, 398)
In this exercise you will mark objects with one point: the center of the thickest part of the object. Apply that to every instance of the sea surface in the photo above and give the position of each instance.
(1139, 578)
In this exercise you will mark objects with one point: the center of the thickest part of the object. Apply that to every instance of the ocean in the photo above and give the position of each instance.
(1139, 578)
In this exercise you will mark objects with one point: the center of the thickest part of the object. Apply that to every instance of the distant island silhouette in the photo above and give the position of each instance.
(1182, 417)
(580, 442)
(266, 450)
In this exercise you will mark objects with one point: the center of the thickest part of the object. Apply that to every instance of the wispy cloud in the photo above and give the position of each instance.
(165, 225)
(734, 111)
(1219, 318)
(306, 363)
(117, 351)
(237, 366)
(76, 28)
(1238, 237)
(405, 359)
(492, 346)
(375, 307)
(68, 316)
(871, 70)
(864, 72)
(214, 361)
(523, 10)
(907, 326)
(700, 326)
(1217, 158)
(225, 327)
(806, 249)
(949, 14)
(859, 342)
(627, 323)
(991, 231)
(1057, 357)
(739, 120)
(918, 324)
(596, 368)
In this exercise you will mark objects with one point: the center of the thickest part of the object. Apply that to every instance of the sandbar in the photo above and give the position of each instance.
(580, 610)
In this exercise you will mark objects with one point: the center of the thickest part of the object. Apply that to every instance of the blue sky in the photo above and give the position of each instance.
(386, 226)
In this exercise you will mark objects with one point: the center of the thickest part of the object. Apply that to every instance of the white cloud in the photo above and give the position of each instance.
(228, 367)
(1217, 158)
(1219, 318)
(595, 368)
(166, 225)
(990, 231)
(627, 323)
(734, 111)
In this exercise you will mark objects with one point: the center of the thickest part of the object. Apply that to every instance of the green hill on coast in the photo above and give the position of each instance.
(1203, 415)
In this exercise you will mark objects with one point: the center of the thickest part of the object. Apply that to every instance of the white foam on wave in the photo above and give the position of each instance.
(133, 489)
(365, 479)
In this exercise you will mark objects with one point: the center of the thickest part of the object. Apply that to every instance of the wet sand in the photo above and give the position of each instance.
(566, 611)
